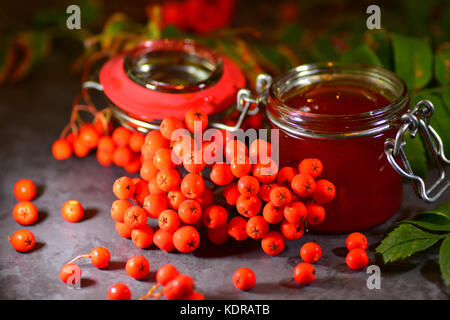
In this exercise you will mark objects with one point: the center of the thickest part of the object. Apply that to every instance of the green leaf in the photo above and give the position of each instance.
(413, 60)
(430, 222)
(404, 241)
(415, 150)
(361, 54)
(442, 210)
(442, 65)
(171, 32)
(379, 42)
(446, 98)
(444, 260)
(323, 49)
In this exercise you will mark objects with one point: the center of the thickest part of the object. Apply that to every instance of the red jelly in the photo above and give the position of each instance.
(342, 114)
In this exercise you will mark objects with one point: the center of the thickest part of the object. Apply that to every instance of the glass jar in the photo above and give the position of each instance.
(167, 77)
(351, 146)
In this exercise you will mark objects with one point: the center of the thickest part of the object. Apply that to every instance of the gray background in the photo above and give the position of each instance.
(33, 113)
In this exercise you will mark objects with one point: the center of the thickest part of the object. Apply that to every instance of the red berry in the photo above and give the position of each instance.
(186, 239)
(136, 141)
(89, 136)
(22, 240)
(123, 188)
(280, 196)
(72, 211)
(142, 237)
(25, 213)
(304, 273)
(169, 220)
(285, 176)
(295, 212)
(292, 231)
(356, 240)
(215, 217)
(237, 228)
(164, 240)
(25, 190)
(137, 267)
(231, 193)
(315, 213)
(324, 191)
(169, 125)
(248, 186)
(265, 171)
(62, 149)
(248, 206)
(310, 252)
(190, 211)
(123, 230)
(166, 273)
(106, 144)
(179, 288)
(168, 179)
(313, 167)
(221, 174)
(244, 279)
(135, 217)
(260, 150)
(303, 184)
(272, 214)
(196, 120)
(154, 204)
(257, 227)
(121, 136)
(240, 166)
(192, 185)
(70, 274)
(119, 291)
(218, 236)
(265, 189)
(100, 257)
(357, 259)
(273, 243)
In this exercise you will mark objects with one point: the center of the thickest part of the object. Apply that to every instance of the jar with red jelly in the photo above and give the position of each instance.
(350, 116)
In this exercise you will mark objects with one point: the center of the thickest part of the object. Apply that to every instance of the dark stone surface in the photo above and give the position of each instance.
(32, 115)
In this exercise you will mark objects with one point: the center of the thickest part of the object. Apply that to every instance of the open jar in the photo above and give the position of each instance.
(357, 146)
(167, 77)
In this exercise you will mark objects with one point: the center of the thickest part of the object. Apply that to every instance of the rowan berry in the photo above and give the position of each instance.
(192, 185)
(244, 279)
(141, 191)
(185, 144)
(357, 259)
(123, 188)
(195, 296)
(310, 252)
(89, 136)
(281, 196)
(235, 149)
(303, 184)
(324, 191)
(135, 217)
(163, 159)
(100, 257)
(292, 231)
(61, 149)
(248, 186)
(25, 190)
(240, 166)
(122, 156)
(121, 136)
(166, 273)
(295, 212)
(119, 291)
(221, 174)
(169, 220)
(106, 144)
(272, 214)
(25, 213)
(154, 188)
(168, 179)
(304, 273)
(137, 267)
(123, 230)
(257, 227)
(136, 141)
(193, 161)
(175, 198)
(169, 125)
(104, 158)
(260, 150)
(134, 165)
(186, 239)
(265, 189)
(231, 193)
(265, 171)
(164, 240)
(148, 170)
(206, 199)
(70, 274)
(218, 236)
(215, 217)
(237, 228)
(356, 240)
(72, 211)
(285, 176)
(142, 237)
(311, 166)
(22, 240)
(179, 288)
(79, 148)
(154, 204)
(190, 211)
(196, 120)
(248, 206)
(273, 243)
(154, 140)
(315, 213)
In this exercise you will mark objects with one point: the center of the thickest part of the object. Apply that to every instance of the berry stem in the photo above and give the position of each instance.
(79, 257)
(150, 292)
(157, 295)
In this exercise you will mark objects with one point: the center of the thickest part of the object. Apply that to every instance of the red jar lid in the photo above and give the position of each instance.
(132, 80)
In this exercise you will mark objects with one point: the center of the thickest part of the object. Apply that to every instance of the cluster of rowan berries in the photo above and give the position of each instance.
(118, 146)
(176, 175)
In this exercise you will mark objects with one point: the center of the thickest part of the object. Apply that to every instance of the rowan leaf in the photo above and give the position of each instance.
(444, 260)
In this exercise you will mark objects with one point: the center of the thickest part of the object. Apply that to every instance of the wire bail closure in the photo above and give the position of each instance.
(417, 121)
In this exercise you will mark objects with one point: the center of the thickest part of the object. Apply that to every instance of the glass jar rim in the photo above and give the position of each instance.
(199, 52)
(305, 123)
